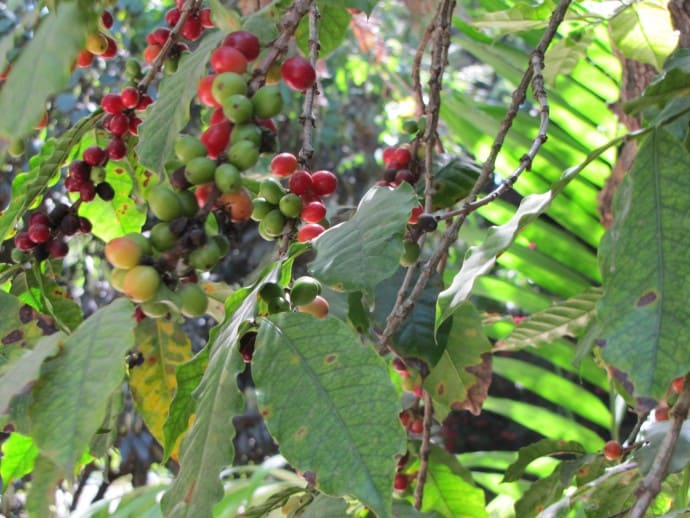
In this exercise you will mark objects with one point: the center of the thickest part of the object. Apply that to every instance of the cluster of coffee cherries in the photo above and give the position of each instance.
(45, 234)
(302, 199)
(145, 280)
(411, 382)
(99, 43)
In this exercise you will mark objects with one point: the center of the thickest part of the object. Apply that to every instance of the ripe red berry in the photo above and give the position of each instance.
(119, 124)
(38, 218)
(192, 29)
(116, 149)
(112, 103)
(415, 214)
(87, 192)
(204, 91)
(205, 17)
(677, 384)
(23, 242)
(300, 182)
(39, 233)
(158, 37)
(57, 248)
(324, 182)
(246, 42)
(84, 58)
(661, 413)
(405, 175)
(144, 101)
(216, 138)
(309, 232)
(298, 73)
(130, 97)
(151, 52)
(107, 19)
(134, 125)
(95, 156)
(388, 156)
(405, 418)
(79, 171)
(400, 482)
(284, 164)
(417, 426)
(228, 59)
(401, 158)
(84, 225)
(612, 450)
(111, 50)
(313, 212)
(173, 16)
(217, 117)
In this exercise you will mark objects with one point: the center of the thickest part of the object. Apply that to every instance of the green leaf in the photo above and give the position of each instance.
(18, 455)
(332, 25)
(460, 380)
(164, 346)
(644, 316)
(540, 494)
(643, 31)
(543, 448)
(119, 216)
(188, 376)
(545, 422)
(565, 54)
(165, 118)
(44, 483)
(324, 505)
(107, 432)
(347, 447)
(481, 258)
(520, 18)
(670, 85)
(360, 253)
(225, 19)
(70, 398)
(567, 318)
(44, 64)
(612, 496)
(363, 5)
(207, 446)
(447, 490)
(20, 374)
(29, 187)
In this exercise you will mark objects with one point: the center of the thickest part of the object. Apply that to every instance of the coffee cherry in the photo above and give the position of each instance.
(245, 42)
(111, 51)
(290, 205)
(298, 73)
(278, 305)
(164, 203)
(400, 482)
(205, 93)
(112, 104)
(85, 225)
(261, 207)
(23, 242)
(154, 309)
(84, 58)
(270, 291)
(38, 218)
(300, 182)
(69, 225)
(202, 192)
(313, 212)
(238, 205)
(151, 52)
(57, 248)
(228, 178)
(192, 29)
(243, 155)
(205, 18)
(141, 283)
(130, 97)
(417, 426)
(144, 102)
(172, 16)
(96, 43)
(410, 254)
(612, 450)
(317, 307)
(228, 59)
(284, 164)
(405, 175)
(200, 170)
(309, 232)
(117, 279)
(216, 138)
(87, 192)
(414, 216)
(95, 156)
(123, 252)
(227, 84)
(304, 290)
(206, 257)
(188, 202)
(267, 102)
(249, 132)
(194, 300)
(272, 224)
(105, 191)
(162, 237)
(238, 108)
(118, 124)
(39, 233)
(427, 222)
(677, 384)
(324, 182)
(661, 413)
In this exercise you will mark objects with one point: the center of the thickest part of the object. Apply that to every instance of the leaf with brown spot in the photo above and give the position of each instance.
(463, 373)
(164, 345)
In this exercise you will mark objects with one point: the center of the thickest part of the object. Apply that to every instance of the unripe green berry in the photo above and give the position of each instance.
(290, 205)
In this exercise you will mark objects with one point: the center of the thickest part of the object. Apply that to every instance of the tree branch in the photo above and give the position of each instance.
(651, 485)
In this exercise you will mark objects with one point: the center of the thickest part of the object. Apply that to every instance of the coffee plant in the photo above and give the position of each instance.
(223, 292)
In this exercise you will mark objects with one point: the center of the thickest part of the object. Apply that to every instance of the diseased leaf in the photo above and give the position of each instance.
(643, 31)
(322, 432)
(461, 378)
(70, 398)
(671, 85)
(18, 455)
(543, 448)
(45, 66)
(29, 187)
(448, 490)
(360, 253)
(188, 376)
(165, 118)
(225, 19)
(567, 318)
(540, 494)
(644, 316)
(164, 346)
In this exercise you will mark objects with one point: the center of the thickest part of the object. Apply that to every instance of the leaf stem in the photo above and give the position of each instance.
(424, 451)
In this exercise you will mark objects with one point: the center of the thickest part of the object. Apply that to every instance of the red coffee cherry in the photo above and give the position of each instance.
(284, 164)
(324, 182)
(309, 232)
(298, 73)
(246, 42)
(612, 450)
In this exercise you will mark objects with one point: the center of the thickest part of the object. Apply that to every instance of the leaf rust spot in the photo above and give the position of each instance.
(301, 433)
(440, 389)
(331, 358)
(12, 337)
(190, 493)
(265, 412)
(26, 313)
(646, 299)
(471, 333)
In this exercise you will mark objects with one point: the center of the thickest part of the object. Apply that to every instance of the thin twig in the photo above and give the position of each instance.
(417, 63)
(288, 26)
(651, 485)
(188, 8)
(399, 313)
(424, 451)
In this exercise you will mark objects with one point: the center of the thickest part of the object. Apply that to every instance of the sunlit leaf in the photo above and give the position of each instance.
(322, 432)
(165, 118)
(545, 447)
(563, 55)
(71, 396)
(361, 252)
(332, 27)
(644, 316)
(164, 346)
(18, 455)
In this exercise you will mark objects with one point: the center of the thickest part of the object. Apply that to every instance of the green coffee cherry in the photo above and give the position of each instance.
(188, 148)
(271, 190)
(200, 170)
(261, 208)
(238, 109)
(304, 290)
(226, 85)
(161, 237)
(164, 203)
(267, 101)
(243, 154)
(290, 205)
(228, 178)
(249, 131)
(194, 300)
(270, 291)
(272, 225)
